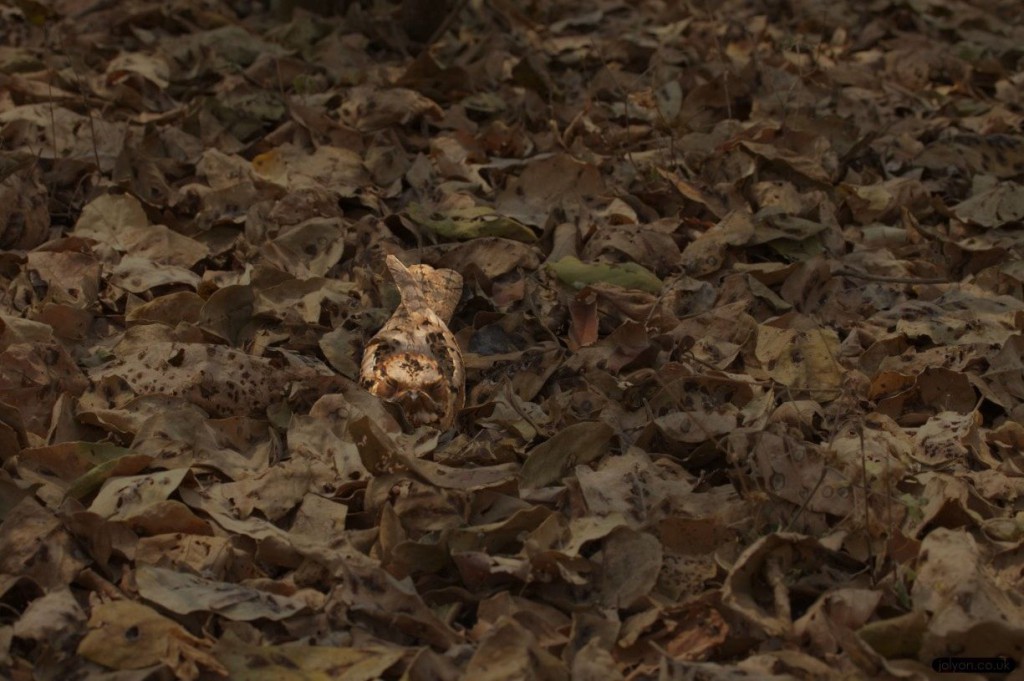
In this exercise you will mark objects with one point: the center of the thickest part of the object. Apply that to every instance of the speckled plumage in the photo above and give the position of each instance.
(414, 360)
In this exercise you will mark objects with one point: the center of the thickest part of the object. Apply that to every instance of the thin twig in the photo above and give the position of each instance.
(446, 23)
(807, 500)
(864, 481)
(85, 103)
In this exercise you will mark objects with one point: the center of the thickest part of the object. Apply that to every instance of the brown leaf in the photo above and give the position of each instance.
(120, 498)
(578, 444)
(995, 207)
(971, 612)
(222, 380)
(800, 359)
(632, 561)
(128, 635)
(33, 543)
(371, 593)
(511, 652)
(547, 183)
(783, 247)
(184, 593)
(120, 222)
(368, 108)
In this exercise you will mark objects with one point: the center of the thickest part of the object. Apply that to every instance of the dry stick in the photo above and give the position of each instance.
(85, 104)
(446, 23)
(725, 70)
(515, 406)
(473, 439)
(784, 98)
(867, 490)
(626, 152)
(776, 576)
(718, 441)
(863, 468)
(53, 119)
(807, 500)
(91, 579)
(824, 470)
(536, 312)
(814, 490)
(654, 306)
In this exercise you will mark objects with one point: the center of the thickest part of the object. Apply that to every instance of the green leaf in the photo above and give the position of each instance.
(571, 271)
(111, 461)
(471, 223)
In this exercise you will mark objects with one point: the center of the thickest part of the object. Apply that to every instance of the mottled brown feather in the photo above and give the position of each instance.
(414, 360)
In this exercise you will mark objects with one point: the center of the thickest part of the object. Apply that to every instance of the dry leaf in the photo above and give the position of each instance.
(128, 635)
(184, 593)
(300, 662)
(757, 416)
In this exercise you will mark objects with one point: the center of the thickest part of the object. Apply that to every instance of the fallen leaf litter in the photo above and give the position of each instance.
(726, 376)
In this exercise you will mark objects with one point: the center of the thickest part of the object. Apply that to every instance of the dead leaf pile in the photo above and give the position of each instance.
(742, 321)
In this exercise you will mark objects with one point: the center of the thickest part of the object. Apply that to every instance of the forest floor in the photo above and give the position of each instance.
(743, 329)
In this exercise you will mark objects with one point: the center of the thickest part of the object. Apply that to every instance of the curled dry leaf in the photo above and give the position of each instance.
(759, 585)
(510, 651)
(370, 108)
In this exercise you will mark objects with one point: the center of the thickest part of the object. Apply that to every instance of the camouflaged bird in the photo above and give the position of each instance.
(414, 361)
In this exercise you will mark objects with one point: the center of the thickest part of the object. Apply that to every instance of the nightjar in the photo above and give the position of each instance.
(414, 362)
